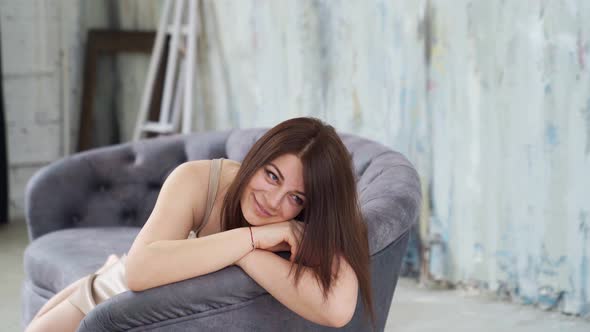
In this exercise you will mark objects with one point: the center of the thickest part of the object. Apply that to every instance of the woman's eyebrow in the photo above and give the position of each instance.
(283, 178)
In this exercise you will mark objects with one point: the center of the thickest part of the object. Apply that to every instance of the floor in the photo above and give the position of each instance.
(414, 309)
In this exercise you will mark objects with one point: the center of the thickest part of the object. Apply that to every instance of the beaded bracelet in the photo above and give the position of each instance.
(252, 238)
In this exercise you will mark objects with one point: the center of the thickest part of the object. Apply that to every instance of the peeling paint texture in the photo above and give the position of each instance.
(489, 99)
(511, 165)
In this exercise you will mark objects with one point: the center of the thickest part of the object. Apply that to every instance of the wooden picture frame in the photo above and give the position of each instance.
(111, 42)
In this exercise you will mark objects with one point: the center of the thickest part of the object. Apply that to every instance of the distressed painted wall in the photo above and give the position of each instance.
(509, 100)
(490, 100)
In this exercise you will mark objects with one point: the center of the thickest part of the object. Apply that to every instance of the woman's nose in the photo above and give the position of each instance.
(274, 200)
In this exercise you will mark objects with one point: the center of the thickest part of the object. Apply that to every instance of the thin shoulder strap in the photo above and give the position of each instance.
(214, 172)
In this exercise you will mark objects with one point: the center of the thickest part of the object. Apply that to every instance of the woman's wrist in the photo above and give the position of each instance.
(240, 262)
(252, 242)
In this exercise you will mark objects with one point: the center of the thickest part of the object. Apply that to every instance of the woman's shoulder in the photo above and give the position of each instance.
(200, 170)
(230, 169)
(202, 167)
(200, 163)
(196, 165)
(231, 162)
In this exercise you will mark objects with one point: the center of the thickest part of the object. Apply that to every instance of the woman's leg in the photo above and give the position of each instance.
(57, 298)
(63, 309)
(63, 317)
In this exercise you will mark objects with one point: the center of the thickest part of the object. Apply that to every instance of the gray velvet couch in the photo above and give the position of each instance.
(86, 206)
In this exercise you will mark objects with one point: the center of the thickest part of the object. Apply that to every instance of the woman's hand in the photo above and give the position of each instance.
(283, 246)
(281, 236)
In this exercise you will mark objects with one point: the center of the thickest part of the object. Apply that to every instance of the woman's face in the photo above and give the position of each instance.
(275, 192)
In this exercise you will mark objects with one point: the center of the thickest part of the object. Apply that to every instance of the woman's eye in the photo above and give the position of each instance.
(298, 200)
(272, 175)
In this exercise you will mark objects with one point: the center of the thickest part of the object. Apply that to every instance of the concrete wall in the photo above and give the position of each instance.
(489, 99)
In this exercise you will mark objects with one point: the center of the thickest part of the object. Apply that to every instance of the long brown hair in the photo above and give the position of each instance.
(331, 214)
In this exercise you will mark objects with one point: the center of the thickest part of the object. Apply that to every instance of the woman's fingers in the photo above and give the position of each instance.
(293, 252)
(283, 246)
(293, 244)
(297, 227)
(296, 232)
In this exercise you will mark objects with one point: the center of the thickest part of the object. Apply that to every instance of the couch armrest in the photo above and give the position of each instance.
(391, 205)
(227, 289)
(229, 299)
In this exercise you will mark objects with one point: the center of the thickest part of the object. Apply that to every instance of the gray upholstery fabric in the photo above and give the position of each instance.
(84, 207)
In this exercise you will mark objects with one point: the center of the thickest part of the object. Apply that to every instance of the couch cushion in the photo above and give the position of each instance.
(56, 259)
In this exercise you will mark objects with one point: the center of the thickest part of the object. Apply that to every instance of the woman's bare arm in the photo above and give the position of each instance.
(271, 272)
(161, 253)
(167, 261)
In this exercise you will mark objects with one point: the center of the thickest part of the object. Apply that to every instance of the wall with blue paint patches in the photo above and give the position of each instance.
(509, 100)
(490, 100)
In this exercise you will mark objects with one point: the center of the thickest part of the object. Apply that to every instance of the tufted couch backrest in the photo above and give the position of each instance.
(118, 185)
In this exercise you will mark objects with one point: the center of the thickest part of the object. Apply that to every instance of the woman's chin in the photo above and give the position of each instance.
(249, 219)
(254, 220)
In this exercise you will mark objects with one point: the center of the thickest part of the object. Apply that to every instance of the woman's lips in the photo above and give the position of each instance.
(259, 209)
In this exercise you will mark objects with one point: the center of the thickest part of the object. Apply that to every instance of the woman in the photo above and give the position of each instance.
(294, 191)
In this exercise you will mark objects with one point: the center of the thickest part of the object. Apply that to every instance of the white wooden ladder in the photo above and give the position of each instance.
(180, 71)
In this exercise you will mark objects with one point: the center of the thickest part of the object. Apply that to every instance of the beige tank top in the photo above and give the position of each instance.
(214, 175)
